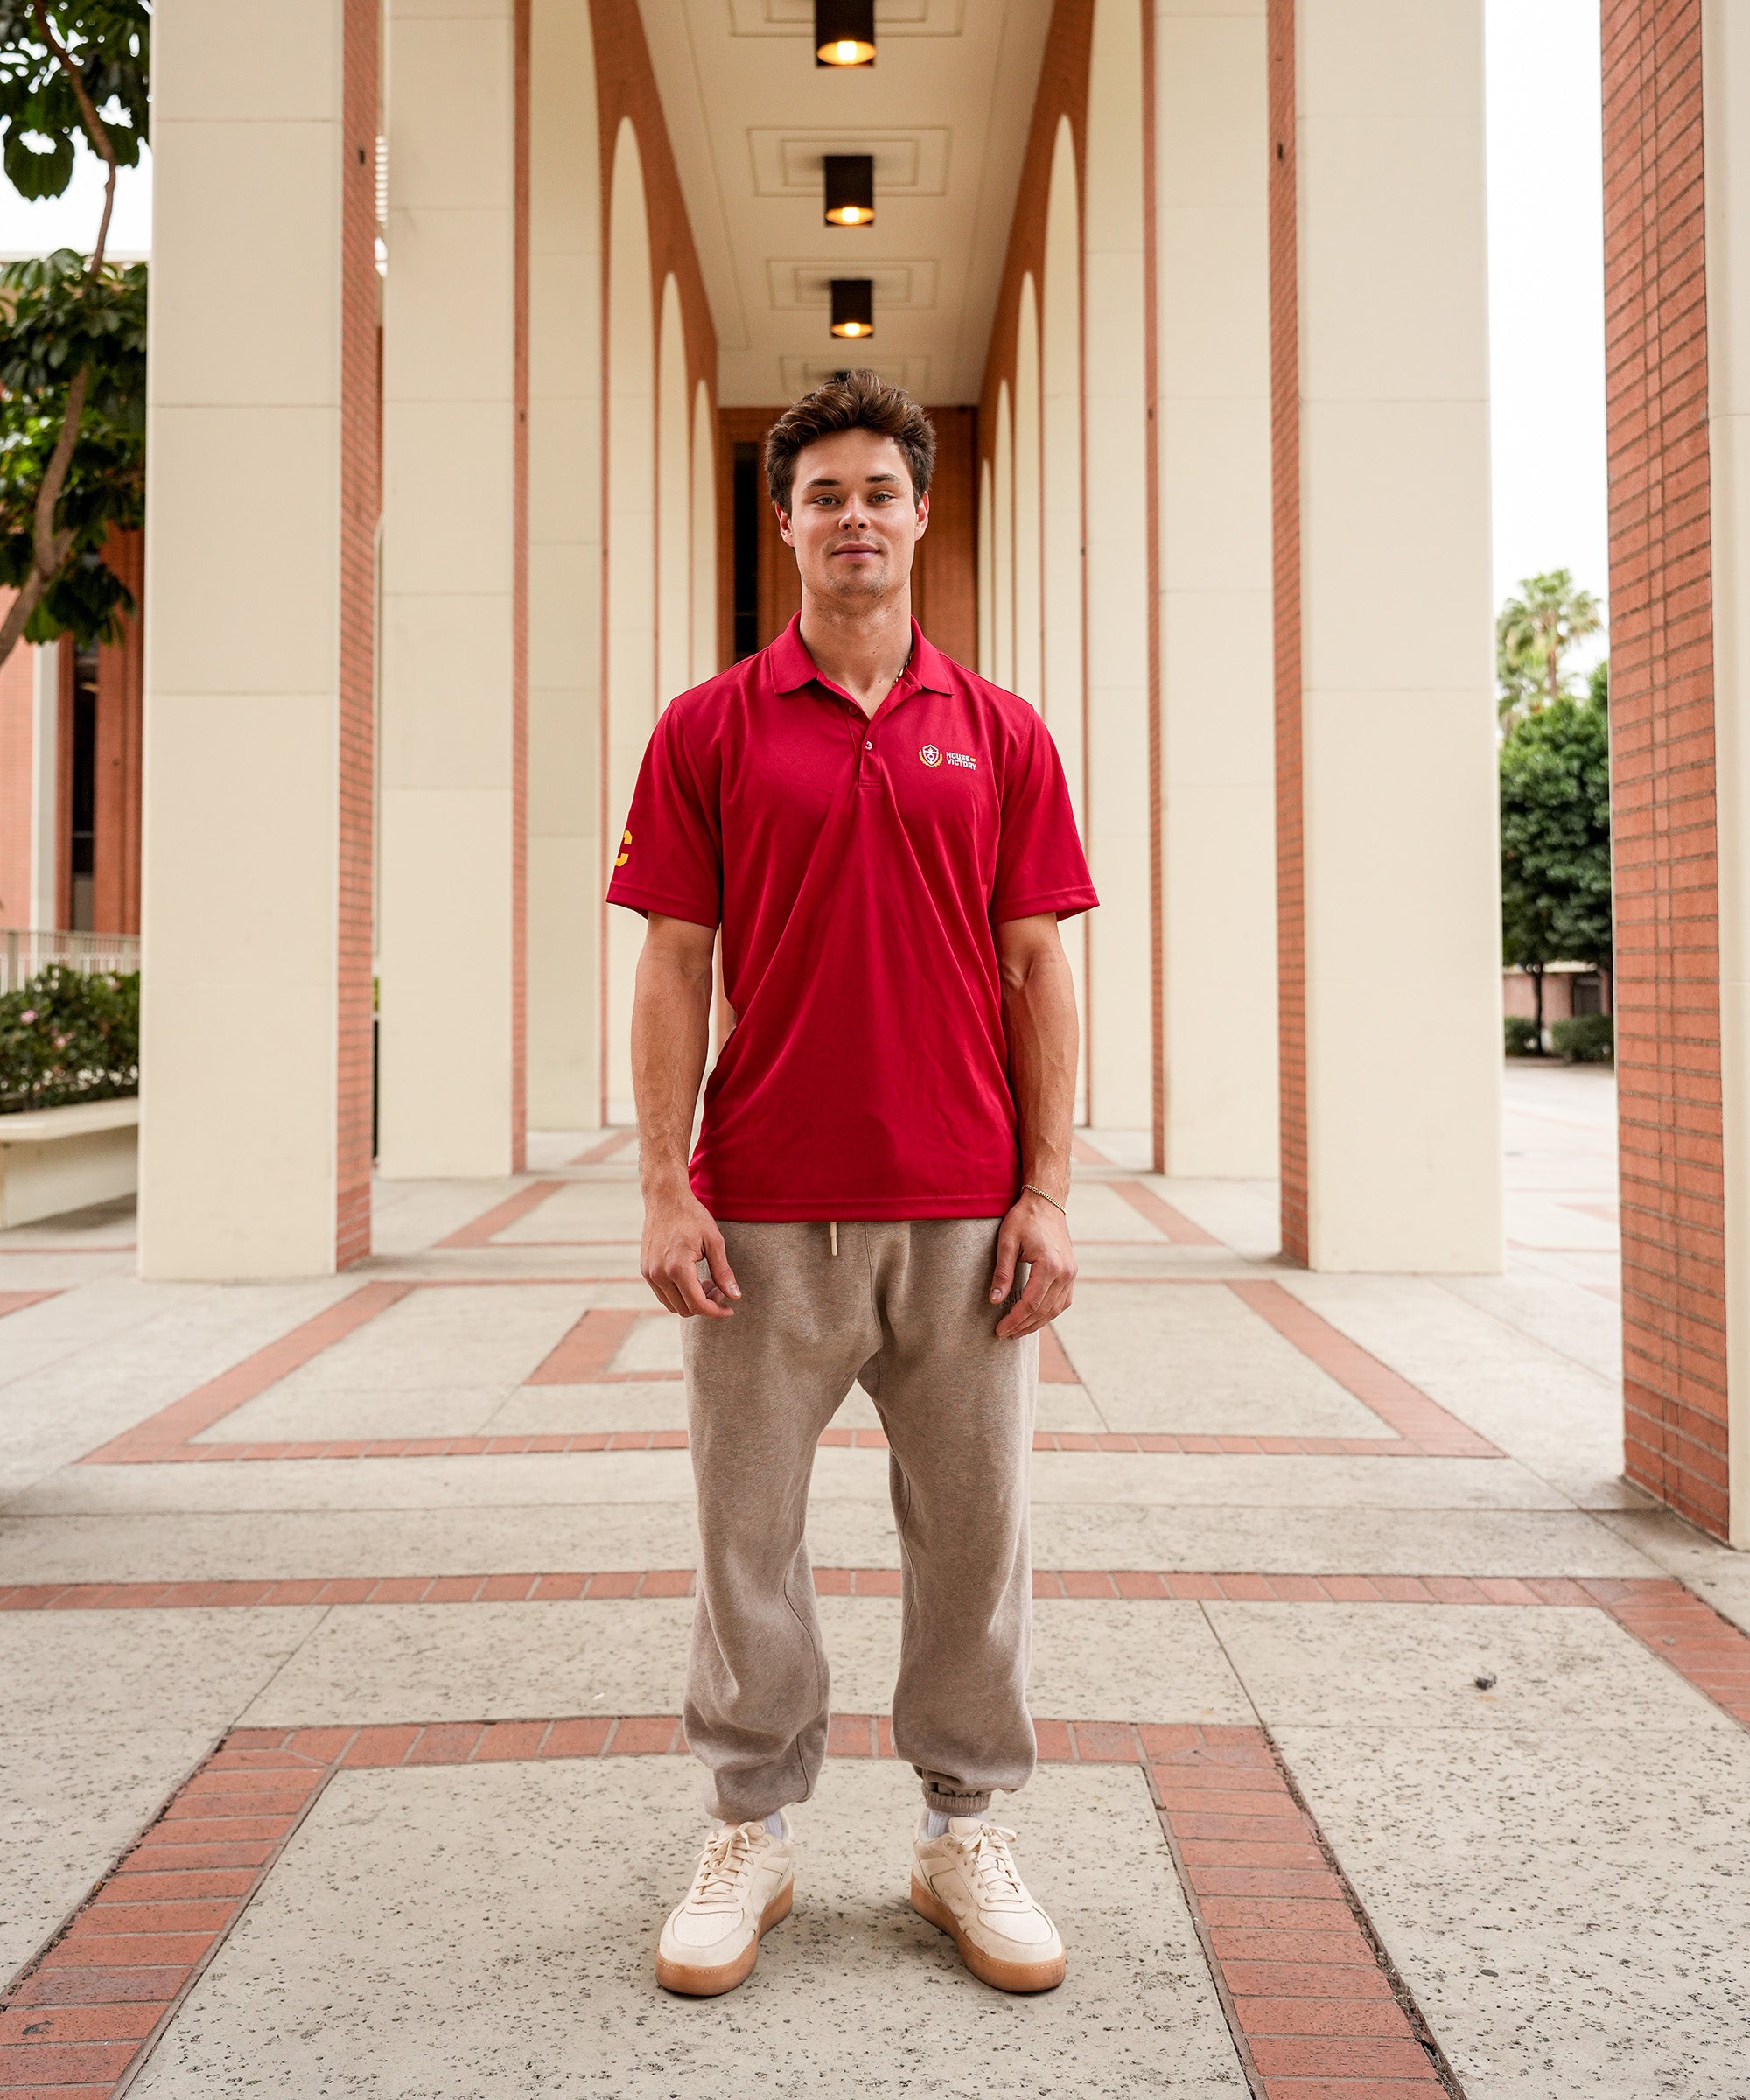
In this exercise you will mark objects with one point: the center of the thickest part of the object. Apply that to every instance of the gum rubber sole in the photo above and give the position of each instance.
(1000, 1975)
(690, 1982)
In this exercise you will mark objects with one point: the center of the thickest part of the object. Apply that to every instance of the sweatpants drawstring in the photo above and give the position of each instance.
(832, 1237)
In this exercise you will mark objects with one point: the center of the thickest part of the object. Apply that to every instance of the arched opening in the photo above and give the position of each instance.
(1002, 546)
(674, 505)
(1061, 607)
(631, 655)
(1028, 612)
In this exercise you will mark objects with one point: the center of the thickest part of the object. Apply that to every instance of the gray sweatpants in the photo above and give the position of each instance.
(904, 1310)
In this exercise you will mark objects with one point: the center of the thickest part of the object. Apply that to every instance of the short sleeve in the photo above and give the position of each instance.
(1040, 866)
(670, 859)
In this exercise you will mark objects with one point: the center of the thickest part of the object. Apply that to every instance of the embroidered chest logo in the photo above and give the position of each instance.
(930, 755)
(962, 759)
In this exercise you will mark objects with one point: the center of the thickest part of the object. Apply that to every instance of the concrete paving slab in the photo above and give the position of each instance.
(582, 1210)
(431, 1935)
(1113, 1479)
(71, 1803)
(1556, 1416)
(1569, 1908)
(1574, 1322)
(1391, 1666)
(1245, 1215)
(1098, 1213)
(1197, 1358)
(1092, 1660)
(178, 1547)
(116, 1671)
(1334, 1541)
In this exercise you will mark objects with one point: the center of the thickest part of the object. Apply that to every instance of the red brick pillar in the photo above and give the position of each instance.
(1665, 787)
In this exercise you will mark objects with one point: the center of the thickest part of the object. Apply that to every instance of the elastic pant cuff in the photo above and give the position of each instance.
(956, 1804)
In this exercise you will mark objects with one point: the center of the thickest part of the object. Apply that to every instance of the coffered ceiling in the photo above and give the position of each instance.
(944, 111)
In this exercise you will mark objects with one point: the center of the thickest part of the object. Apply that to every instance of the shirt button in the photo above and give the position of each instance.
(868, 747)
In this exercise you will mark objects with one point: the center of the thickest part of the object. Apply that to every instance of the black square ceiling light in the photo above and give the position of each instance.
(850, 189)
(853, 307)
(844, 32)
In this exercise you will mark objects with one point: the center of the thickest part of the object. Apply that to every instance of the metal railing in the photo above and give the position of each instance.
(23, 953)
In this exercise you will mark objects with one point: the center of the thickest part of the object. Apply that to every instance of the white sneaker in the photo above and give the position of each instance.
(743, 1887)
(967, 1884)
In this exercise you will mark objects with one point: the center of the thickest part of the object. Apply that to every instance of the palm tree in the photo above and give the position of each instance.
(1534, 634)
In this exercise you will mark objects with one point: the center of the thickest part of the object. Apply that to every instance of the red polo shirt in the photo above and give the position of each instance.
(857, 867)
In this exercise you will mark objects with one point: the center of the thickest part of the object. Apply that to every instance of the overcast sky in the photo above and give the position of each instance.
(1546, 281)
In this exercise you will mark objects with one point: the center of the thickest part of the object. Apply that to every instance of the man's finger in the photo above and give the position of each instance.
(716, 1256)
(1022, 1317)
(685, 1279)
(1008, 1246)
(669, 1299)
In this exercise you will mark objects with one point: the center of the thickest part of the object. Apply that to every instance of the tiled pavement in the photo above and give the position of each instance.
(342, 1626)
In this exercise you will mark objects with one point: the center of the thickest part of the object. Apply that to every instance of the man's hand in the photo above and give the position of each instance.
(1038, 1233)
(679, 1234)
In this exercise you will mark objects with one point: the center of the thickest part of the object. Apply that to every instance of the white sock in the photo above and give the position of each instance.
(775, 1824)
(937, 1822)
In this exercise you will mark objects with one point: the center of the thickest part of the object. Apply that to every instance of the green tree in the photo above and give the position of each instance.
(1555, 837)
(74, 345)
(1534, 634)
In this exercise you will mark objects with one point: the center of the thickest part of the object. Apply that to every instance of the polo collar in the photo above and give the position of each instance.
(792, 668)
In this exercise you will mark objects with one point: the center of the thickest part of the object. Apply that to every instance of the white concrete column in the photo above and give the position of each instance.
(987, 574)
(564, 571)
(674, 503)
(1725, 87)
(451, 710)
(1115, 394)
(1029, 498)
(252, 1160)
(1398, 747)
(1003, 545)
(1217, 678)
(1064, 607)
(630, 566)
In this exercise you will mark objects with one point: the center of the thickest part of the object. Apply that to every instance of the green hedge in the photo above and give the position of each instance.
(65, 1037)
(1521, 1035)
(1588, 1039)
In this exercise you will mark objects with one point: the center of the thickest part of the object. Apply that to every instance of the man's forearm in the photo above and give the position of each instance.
(670, 1034)
(1039, 1005)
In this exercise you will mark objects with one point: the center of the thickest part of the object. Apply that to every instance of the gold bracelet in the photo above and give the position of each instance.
(1033, 1188)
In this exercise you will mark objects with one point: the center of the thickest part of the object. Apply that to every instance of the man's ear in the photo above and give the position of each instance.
(923, 514)
(783, 518)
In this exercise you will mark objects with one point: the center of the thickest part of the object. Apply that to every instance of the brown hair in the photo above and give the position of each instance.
(849, 401)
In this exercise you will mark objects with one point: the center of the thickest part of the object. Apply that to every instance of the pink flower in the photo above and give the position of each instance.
(30, 1015)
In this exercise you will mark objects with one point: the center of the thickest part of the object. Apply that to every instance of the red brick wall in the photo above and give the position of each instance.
(121, 681)
(1285, 376)
(361, 503)
(1667, 984)
(17, 762)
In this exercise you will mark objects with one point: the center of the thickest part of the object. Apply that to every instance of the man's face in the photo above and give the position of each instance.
(853, 522)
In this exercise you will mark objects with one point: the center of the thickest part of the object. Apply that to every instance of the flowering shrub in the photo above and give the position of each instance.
(65, 1037)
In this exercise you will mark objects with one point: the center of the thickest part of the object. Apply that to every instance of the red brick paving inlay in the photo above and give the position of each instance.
(482, 1230)
(1171, 1224)
(1617, 1595)
(616, 1141)
(14, 1301)
(1315, 2011)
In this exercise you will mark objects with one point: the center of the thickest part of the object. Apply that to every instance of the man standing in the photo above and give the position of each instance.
(887, 844)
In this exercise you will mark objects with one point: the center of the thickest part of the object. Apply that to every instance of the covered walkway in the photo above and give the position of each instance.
(1382, 1755)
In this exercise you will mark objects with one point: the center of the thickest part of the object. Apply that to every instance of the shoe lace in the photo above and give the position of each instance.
(724, 1866)
(991, 1864)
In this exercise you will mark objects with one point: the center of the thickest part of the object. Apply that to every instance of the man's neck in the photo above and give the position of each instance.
(862, 652)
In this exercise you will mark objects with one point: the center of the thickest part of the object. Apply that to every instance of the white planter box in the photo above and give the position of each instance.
(57, 1159)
